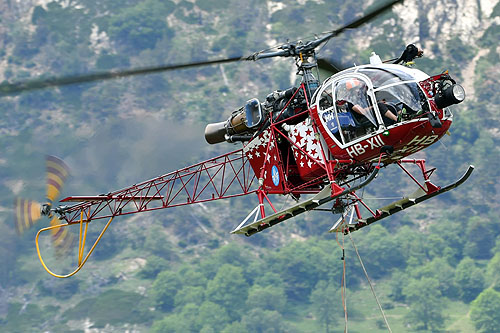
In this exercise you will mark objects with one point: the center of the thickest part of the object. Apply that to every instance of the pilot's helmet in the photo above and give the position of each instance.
(353, 83)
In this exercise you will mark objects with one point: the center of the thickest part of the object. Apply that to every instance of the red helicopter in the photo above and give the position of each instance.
(323, 140)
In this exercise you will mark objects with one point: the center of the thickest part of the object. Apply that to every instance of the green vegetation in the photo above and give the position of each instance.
(435, 267)
(140, 27)
(113, 307)
(484, 311)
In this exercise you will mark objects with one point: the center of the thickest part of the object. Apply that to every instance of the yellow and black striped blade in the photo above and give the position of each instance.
(26, 214)
(62, 238)
(57, 172)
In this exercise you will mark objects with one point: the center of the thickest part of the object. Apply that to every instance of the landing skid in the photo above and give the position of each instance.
(397, 206)
(319, 199)
(347, 222)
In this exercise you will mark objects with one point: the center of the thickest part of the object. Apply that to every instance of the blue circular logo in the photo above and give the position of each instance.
(276, 175)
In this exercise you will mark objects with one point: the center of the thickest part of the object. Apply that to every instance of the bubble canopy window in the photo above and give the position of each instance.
(379, 90)
(398, 87)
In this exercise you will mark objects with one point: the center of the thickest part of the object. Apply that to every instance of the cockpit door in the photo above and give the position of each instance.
(347, 108)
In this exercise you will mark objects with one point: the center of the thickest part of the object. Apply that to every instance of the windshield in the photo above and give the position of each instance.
(405, 96)
(397, 88)
(383, 76)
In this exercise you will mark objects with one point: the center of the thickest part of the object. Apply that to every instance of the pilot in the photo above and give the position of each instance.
(357, 90)
(388, 111)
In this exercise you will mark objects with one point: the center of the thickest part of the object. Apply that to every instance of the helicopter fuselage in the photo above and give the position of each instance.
(298, 157)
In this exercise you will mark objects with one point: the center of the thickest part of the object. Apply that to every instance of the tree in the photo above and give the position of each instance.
(383, 251)
(170, 324)
(164, 289)
(452, 237)
(235, 327)
(480, 238)
(301, 265)
(191, 277)
(268, 279)
(212, 315)
(228, 289)
(493, 272)
(189, 294)
(264, 321)
(426, 304)
(141, 26)
(153, 267)
(484, 311)
(469, 279)
(440, 270)
(267, 298)
(157, 244)
(231, 254)
(398, 282)
(411, 245)
(324, 298)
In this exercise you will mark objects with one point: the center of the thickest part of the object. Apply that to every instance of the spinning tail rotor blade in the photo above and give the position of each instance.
(26, 214)
(62, 238)
(57, 172)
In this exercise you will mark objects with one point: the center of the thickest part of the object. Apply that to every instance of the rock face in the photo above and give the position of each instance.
(434, 21)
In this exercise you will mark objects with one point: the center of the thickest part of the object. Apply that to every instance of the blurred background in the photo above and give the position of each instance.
(436, 267)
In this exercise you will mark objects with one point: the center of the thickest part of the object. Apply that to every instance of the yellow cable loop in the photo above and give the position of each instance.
(80, 265)
(80, 253)
(82, 247)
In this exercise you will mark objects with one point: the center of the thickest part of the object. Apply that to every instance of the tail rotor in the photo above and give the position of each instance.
(57, 173)
(28, 212)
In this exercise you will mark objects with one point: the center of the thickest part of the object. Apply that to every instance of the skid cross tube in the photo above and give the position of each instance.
(320, 199)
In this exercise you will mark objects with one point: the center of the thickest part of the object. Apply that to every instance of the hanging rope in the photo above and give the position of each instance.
(369, 282)
(343, 280)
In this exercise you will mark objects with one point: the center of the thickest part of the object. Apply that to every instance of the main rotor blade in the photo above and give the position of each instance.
(368, 17)
(17, 87)
(329, 67)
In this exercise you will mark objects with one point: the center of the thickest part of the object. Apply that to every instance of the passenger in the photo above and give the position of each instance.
(358, 91)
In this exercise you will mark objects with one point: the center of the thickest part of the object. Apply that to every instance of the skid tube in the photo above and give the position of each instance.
(320, 199)
(407, 202)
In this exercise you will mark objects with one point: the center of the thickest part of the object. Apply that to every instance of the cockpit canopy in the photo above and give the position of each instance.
(362, 100)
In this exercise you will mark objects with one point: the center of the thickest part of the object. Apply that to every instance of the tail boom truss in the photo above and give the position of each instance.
(225, 176)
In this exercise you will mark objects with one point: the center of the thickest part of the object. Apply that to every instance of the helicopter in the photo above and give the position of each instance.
(321, 140)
